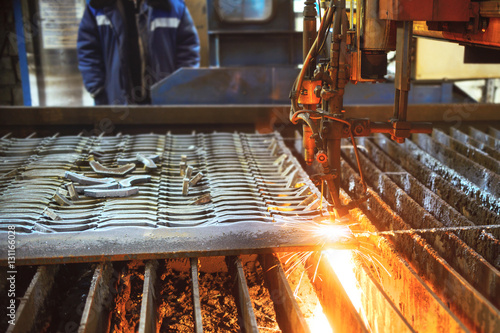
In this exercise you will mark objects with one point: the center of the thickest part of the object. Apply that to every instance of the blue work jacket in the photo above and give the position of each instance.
(171, 43)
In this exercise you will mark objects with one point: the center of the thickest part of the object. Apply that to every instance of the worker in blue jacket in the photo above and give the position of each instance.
(125, 46)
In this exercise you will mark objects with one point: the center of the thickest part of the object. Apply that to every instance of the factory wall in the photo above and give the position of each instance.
(10, 79)
(198, 10)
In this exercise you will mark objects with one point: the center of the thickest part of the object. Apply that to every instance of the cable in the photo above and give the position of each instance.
(294, 119)
(305, 115)
(325, 22)
(354, 145)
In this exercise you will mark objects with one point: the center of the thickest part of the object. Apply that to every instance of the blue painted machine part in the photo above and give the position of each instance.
(271, 85)
(21, 51)
(234, 85)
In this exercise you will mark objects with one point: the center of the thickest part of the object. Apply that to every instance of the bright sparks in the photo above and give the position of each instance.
(333, 235)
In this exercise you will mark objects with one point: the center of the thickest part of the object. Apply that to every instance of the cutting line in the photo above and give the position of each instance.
(422, 231)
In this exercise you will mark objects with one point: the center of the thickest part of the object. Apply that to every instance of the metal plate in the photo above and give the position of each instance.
(255, 193)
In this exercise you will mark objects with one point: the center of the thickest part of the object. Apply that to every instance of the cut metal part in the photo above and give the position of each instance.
(189, 171)
(147, 160)
(196, 179)
(133, 180)
(307, 201)
(80, 189)
(182, 168)
(73, 194)
(111, 193)
(206, 198)
(51, 214)
(84, 180)
(61, 199)
(185, 186)
(120, 171)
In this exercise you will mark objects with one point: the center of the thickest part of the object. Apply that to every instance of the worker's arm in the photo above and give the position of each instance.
(90, 58)
(188, 43)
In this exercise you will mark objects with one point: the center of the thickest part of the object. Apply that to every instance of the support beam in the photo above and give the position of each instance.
(96, 310)
(242, 295)
(148, 319)
(34, 300)
(225, 114)
(336, 304)
(288, 314)
(195, 285)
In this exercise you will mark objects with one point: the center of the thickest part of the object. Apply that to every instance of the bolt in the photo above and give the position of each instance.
(358, 129)
(321, 157)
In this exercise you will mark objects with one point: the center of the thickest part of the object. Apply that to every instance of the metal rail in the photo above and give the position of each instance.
(195, 285)
(135, 243)
(339, 309)
(241, 295)
(33, 302)
(98, 301)
(147, 323)
(224, 114)
(288, 313)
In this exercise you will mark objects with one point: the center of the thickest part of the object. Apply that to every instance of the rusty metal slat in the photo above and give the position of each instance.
(195, 286)
(454, 178)
(466, 303)
(485, 138)
(487, 243)
(421, 307)
(385, 313)
(97, 305)
(288, 314)
(377, 307)
(148, 318)
(469, 206)
(485, 179)
(341, 313)
(464, 259)
(136, 243)
(425, 197)
(469, 151)
(242, 295)
(34, 299)
(468, 140)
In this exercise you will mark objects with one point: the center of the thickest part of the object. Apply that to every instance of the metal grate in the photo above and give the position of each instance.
(250, 194)
(436, 200)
